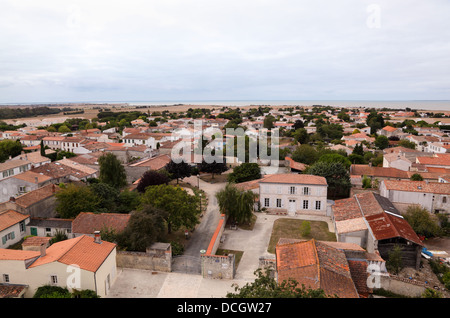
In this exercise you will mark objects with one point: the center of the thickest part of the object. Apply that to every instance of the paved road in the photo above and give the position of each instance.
(131, 283)
(200, 238)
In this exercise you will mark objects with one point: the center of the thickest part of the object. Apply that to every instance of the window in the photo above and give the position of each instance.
(306, 191)
(292, 190)
(266, 202)
(22, 226)
(5, 278)
(278, 203)
(444, 199)
(305, 204)
(318, 205)
(54, 279)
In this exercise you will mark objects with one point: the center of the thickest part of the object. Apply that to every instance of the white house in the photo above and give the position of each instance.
(12, 227)
(79, 263)
(21, 183)
(139, 139)
(433, 196)
(294, 193)
(14, 167)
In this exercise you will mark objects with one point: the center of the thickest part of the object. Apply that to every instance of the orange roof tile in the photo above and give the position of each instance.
(88, 222)
(81, 251)
(295, 178)
(10, 218)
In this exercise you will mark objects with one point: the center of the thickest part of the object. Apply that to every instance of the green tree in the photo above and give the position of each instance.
(182, 208)
(305, 154)
(245, 172)
(333, 157)
(381, 142)
(64, 129)
(9, 148)
(268, 122)
(235, 203)
(213, 167)
(422, 222)
(178, 170)
(73, 199)
(358, 150)
(301, 136)
(407, 144)
(145, 227)
(394, 261)
(112, 171)
(150, 178)
(107, 196)
(265, 286)
(416, 177)
(337, 176)
(48, 291)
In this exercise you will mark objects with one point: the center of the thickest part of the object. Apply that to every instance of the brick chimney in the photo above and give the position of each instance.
(43, 249)
(97, 237)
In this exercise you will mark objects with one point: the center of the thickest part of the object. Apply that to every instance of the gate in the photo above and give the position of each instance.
(186, 264)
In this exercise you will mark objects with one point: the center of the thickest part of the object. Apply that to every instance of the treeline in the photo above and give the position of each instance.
(19, 112)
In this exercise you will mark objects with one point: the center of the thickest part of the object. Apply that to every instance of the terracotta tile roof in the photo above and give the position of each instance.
(382, 172)
(17, 255)
(316, 265)
(296, 165)
(10, 218)
(31, 176)
(436, 161)
(82, 251)
(12, 290)
(358, 271)
(140, 136)
(32, 197)
(36, 241)
(386, 226)
(11, 164)
(390, 128)
(88, 222)
(418, 186)
(295, 178)
(155, 163)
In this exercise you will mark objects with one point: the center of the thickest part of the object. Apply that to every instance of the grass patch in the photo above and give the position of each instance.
(237, 254)
(292, 228)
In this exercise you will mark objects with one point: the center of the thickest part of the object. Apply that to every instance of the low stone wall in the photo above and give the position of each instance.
(403, 286)
(217, 266)
(158, 257)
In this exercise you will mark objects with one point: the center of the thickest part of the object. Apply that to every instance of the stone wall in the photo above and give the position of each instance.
(158, 257)
(403, 286)
(217, 266)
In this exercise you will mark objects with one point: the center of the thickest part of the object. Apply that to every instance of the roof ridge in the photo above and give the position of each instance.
(313, 242)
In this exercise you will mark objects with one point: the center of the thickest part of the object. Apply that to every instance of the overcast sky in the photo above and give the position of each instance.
(152, 50)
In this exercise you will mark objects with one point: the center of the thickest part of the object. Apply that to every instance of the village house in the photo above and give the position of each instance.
(140, 139)
(87, 223)
(49, 227)
(294, 194)
(317, 265)
(374, 223)
(92, 260)
(14, 167)
(53, 142)
(37, 203)
(389, 131)
(35, 158)
(433, 196)
(12, 227)
(22, 183)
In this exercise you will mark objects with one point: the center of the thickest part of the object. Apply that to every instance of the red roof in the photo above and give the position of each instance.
(386, 225)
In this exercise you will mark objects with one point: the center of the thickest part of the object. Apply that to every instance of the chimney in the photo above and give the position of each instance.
(43, 249)
(36, 179)
(53, 188)
(97, 237)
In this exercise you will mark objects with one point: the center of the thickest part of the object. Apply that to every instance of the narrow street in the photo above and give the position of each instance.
(200, 238)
